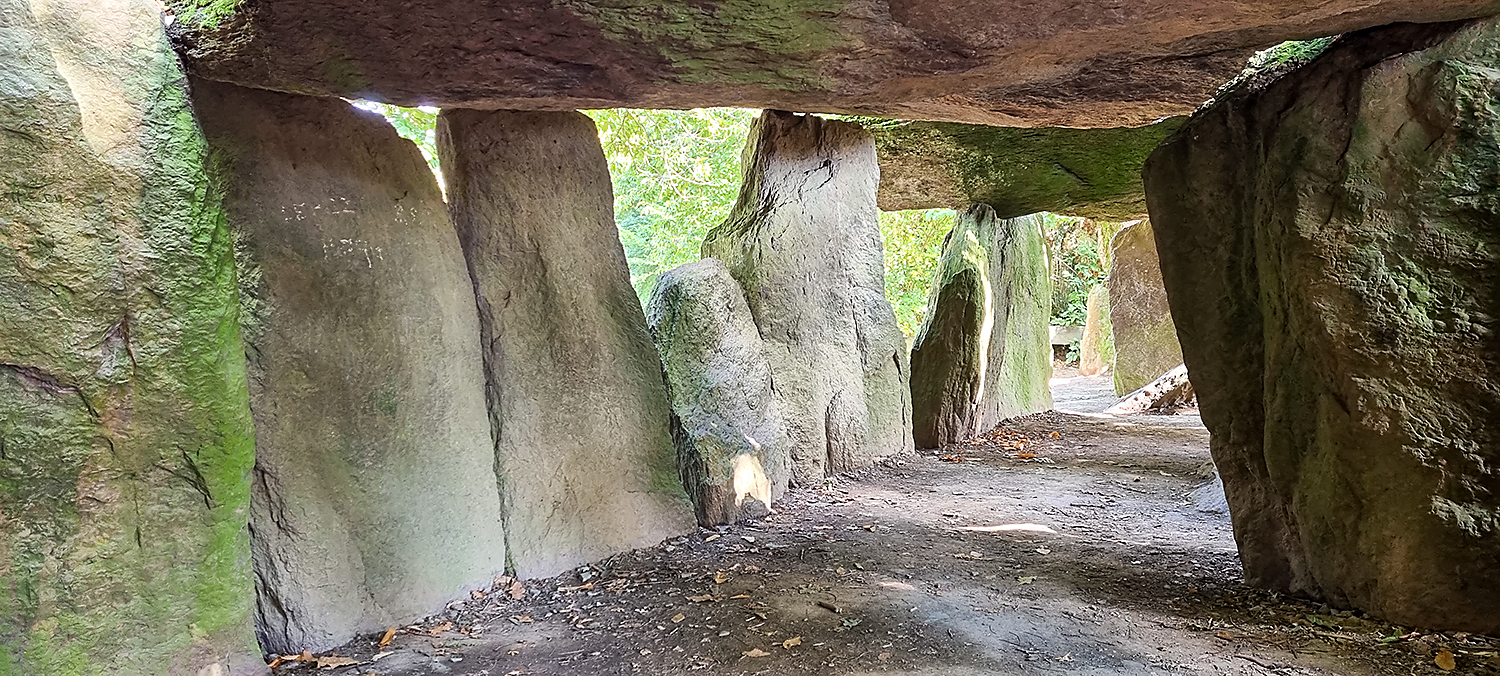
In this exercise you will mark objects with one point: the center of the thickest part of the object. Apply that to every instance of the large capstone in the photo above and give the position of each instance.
(1145, 337)
(125, 435)
(726, 421)
(574, 385)
(984, 353)
(1329, 246)
(1095, 173)
(1039, 63)
(804, 245)
(375, 497)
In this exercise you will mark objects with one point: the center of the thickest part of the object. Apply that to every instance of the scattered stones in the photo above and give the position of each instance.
(125, 435)
(1328, 242)
(1144, 336)
(375, 497)
(575, 391)
(983, 354)
(804, 245)
(726, 421)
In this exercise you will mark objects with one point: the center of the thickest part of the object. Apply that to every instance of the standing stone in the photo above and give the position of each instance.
(125, 435)
(375, 498)
(1330, 246)
(1091, 350)
(1145, 337)
(804, 244)
(574, 384)
(726, 422)
(984, 354)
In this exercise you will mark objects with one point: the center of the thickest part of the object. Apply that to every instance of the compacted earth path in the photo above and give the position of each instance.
(1061, 543)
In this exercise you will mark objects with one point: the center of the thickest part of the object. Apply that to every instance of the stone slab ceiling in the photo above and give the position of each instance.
(1002, 62)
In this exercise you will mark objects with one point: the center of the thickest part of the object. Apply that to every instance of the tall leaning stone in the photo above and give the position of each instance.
(375, 496)
(125, 435)
(1328, 240)
(731, 450)
(1145, 337)
(984, 353)
(804, 244)
(574, 384)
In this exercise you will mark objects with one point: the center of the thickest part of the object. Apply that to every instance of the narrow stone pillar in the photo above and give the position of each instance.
(1091, 357)
(375, 496)
(125, 435)
(804, 244)
(984, 353)
(731, 448)
(1144, 336)
(1329, 245)
(574, 384)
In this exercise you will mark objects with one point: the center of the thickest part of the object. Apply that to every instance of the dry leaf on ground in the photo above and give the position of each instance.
(678, 618)
(390, 635)
(755, 652)
(331, 661)
(1445, 660)
(792, 642)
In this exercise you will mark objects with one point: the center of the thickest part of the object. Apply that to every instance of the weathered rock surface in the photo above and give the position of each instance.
(1145, 337)
(1092, 359)
(804, 245)
(1328, 243)
(1095, 173)
(125, 433)
(984, 354)
(375, 498)
(575, 387)
(1004, 62)
(726, 422)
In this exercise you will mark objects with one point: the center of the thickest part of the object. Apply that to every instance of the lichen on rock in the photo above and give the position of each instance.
(984, 354)
(1145, 339)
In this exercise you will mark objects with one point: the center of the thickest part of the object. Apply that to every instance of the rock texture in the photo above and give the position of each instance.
(1328, 243)
(731, 451)
(1092, 359)
(1051, 63)
(375, 497)
(984, 354)
(125, 433)
(803, 243)
(1095, 173)
(575, 387)
(1145, 337)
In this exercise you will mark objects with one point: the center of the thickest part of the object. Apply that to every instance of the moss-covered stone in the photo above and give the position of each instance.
(1094, 173)
(803, 242)
(1328, 241)
(125, 437)
(1145, 339)
(984, 353)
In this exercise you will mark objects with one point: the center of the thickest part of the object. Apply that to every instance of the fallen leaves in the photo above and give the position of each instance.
(792, 642)
(1028, 579)
(702, 598)
(679, 617)
(1445, 661)
(952, 458)
(521, 619)
(331, 661)
(755, 652)
(721, 577)
(387, 637)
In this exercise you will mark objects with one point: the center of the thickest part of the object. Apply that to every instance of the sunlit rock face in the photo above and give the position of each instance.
(1094, 173)
(375, 499)
(1003, 62)
(1145, 337)
(574, 385)
(983, 354)
(726, 421)
(804, 245)
(1329, 245)
(125, 435)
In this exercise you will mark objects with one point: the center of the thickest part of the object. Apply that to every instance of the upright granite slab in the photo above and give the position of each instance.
(803, 242)
(375, 493)
(984, 354)
(125, 435)
(1329, 245)
(1145, 338)
(574, 385)
(732, 452)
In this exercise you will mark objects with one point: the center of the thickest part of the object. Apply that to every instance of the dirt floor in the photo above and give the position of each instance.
(1068, 542)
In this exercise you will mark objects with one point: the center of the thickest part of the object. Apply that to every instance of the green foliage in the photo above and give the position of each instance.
(418, 125)
(1295, 52)
(913, 242)
(676, 174)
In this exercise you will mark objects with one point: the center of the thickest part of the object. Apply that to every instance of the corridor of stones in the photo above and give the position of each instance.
(392, 338)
